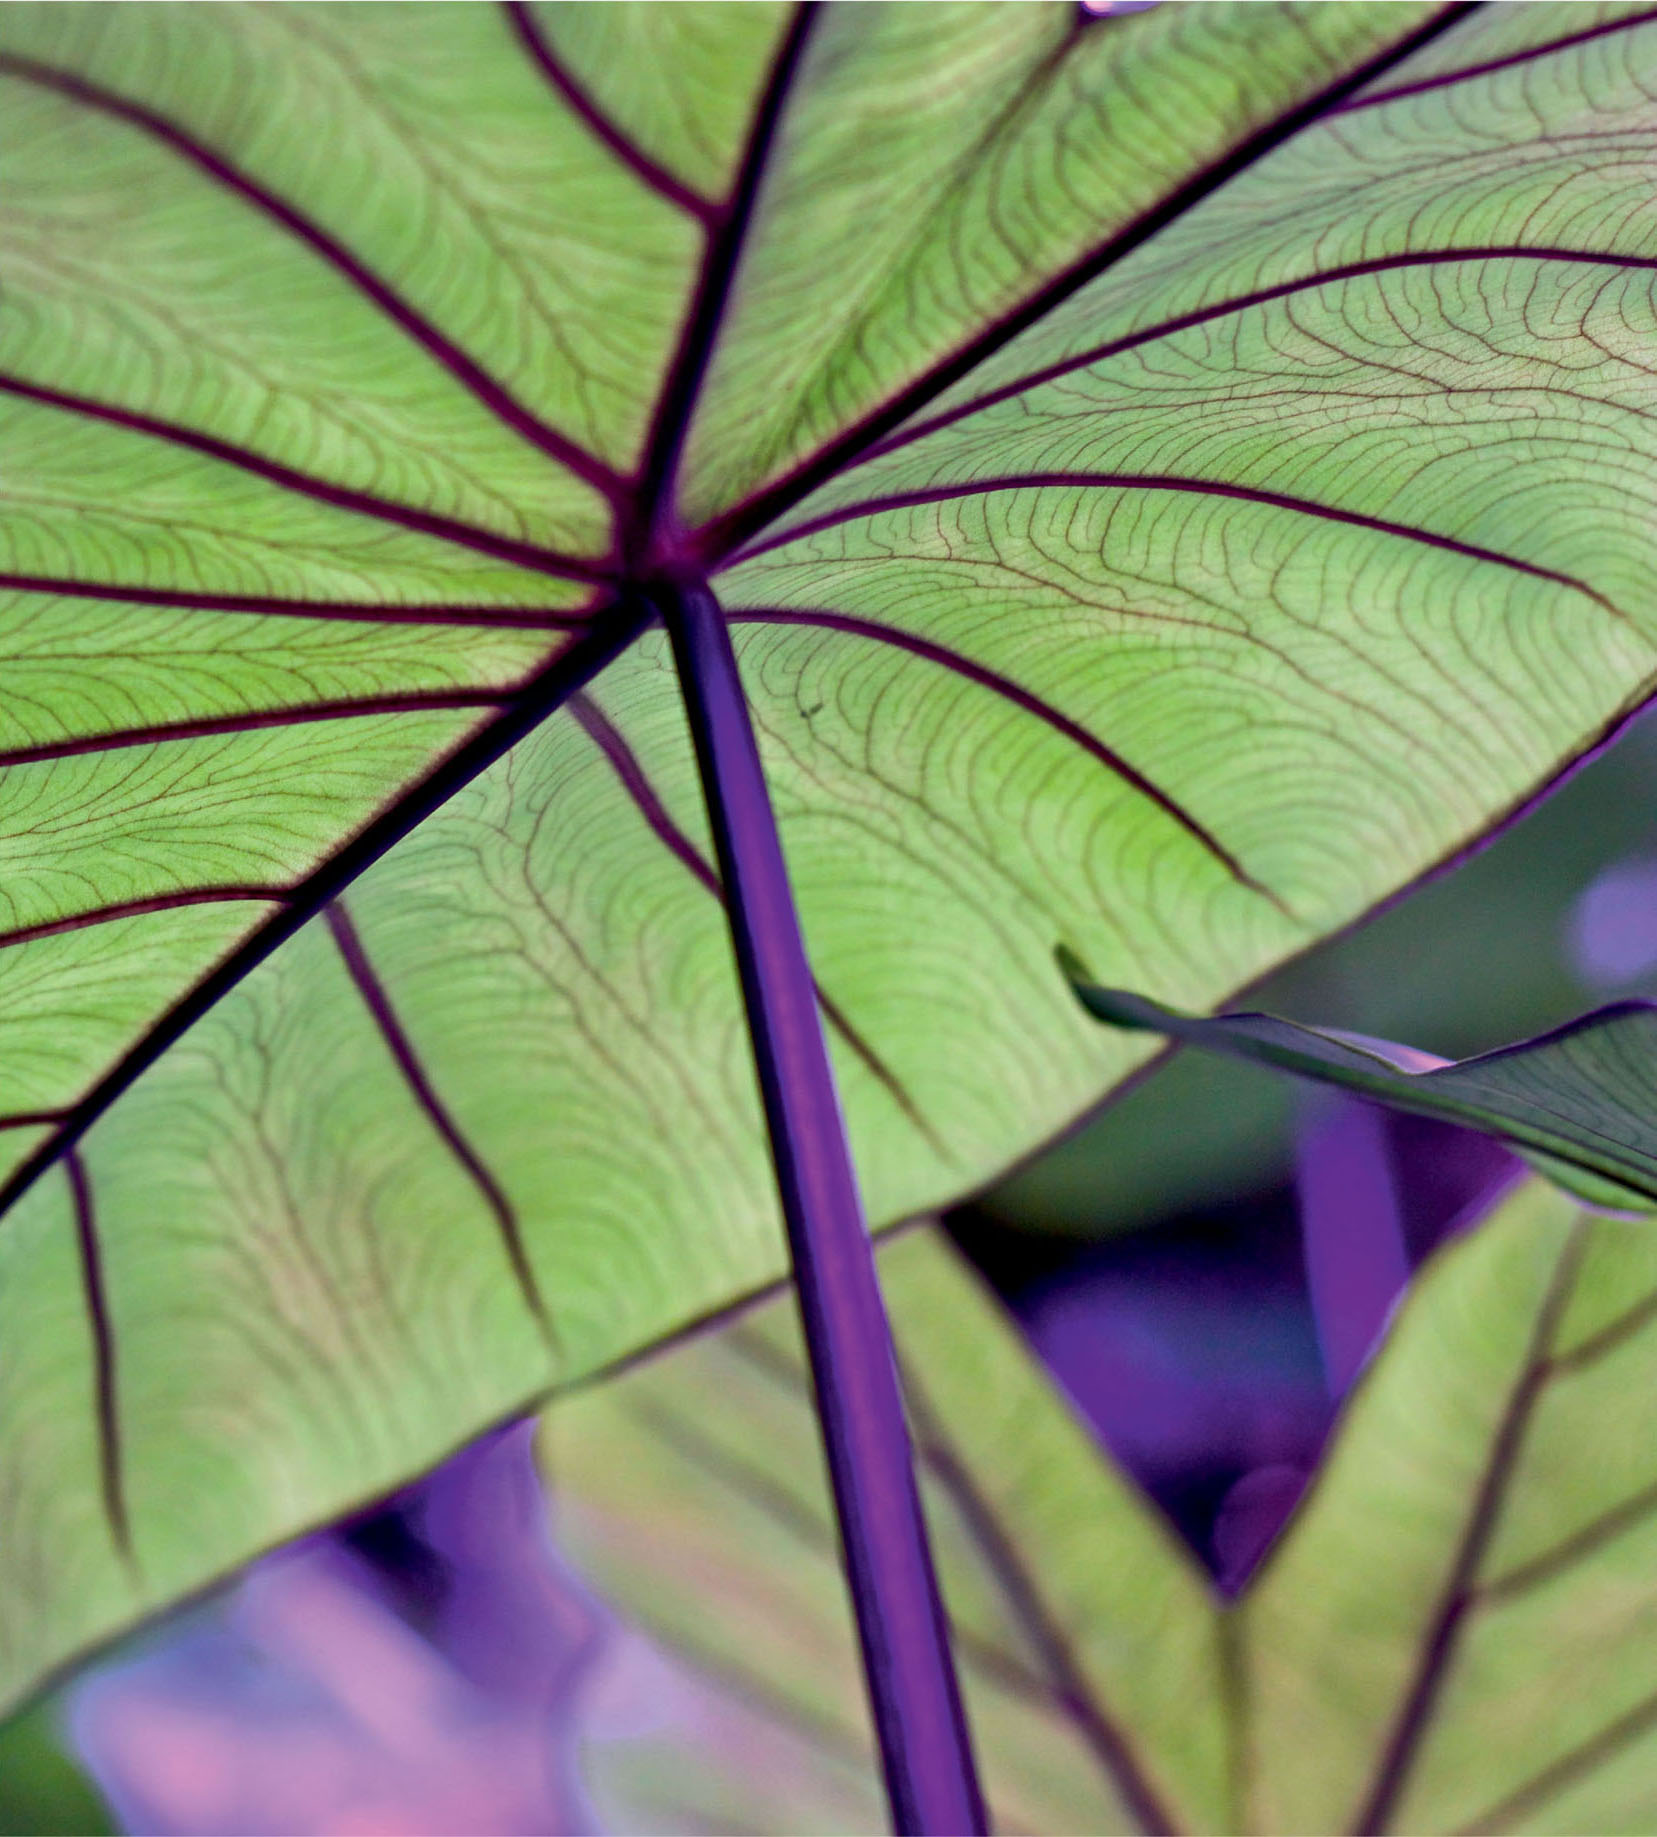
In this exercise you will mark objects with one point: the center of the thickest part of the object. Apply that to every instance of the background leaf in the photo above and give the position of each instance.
(1089, 1657)
(334, 335)
(1452, 1634)
(1579, 1101)
(1456, 1633)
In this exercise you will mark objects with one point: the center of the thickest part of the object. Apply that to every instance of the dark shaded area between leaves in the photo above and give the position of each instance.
(1192, 1346)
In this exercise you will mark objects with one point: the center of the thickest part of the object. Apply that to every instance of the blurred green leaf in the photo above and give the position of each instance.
(1456, 1632)
(43, 1793)
(691, 1492)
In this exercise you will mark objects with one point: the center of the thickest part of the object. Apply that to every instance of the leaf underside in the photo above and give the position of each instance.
(1173, 481)
(1453, 1634)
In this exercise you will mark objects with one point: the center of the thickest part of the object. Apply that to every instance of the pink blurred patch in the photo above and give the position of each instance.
(311, 1707)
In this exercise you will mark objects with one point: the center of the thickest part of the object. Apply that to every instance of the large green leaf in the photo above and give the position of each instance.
(1175, 479)
(1453, 1634)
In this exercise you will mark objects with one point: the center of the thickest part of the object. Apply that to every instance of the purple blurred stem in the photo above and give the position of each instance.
(914, 1695)
(1351, 1232)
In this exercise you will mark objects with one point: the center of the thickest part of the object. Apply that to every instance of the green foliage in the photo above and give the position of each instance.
(1481, 954)
(1453, 1634)
(42, 1793)
(1580, 1102)
(1248, 547)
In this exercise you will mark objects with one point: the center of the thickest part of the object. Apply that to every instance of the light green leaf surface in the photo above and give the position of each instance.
(1454, 1633)
(346, 348)
(1581, 1101)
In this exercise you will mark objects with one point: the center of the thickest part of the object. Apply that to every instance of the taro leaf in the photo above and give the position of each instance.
(1580, 1102)
(1175, 479)
(1457, 1631)
(1456, 1635)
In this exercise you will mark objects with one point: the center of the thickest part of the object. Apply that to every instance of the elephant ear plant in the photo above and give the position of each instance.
(1157, 484)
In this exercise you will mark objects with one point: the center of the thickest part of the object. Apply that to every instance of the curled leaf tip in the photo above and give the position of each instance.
(1071, 967)
(1117, 1007)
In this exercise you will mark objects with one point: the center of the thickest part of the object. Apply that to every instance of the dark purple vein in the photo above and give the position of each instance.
(1153, 481)
(136, 908)
(572, 669)
(1020, 697)
(415, 1076)
(1238, 303)
(1109, 1743)
(363, 503)
(1469, 72)
(1613, 1334)
(653, 510)
(402, 313)
(30, 1119)
(624, 762)
(1443, 1626)
(1604, 1529)
(602, 128)
(103, 1357)
(725, 534)
(1553, 1779)
(301, 714)
(368, 612)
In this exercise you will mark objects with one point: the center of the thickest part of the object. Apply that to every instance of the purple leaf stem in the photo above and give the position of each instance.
(914, 1695)
(1356, 1260)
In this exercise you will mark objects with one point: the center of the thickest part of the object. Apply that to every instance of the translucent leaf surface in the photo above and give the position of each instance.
(1453, 1634)
(1581, 1101)
(1174, 480)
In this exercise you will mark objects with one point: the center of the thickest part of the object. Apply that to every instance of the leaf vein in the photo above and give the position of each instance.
(341, 497)
(612, 743)
(378, 1002)
(603, 129)
(1469, 72)
(1240, 303)
(1022, 698)
(110, 1467)
(1443, 1627)
(569, 671)
(1152, 481)
(401, 312)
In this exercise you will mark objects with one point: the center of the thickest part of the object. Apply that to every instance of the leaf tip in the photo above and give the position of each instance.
(1117, 1007)
(1071, 967)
